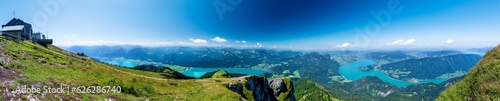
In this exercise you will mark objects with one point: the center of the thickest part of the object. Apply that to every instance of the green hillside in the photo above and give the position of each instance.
(216, 74)
(307, 90)
(26, 63)
(482, 83)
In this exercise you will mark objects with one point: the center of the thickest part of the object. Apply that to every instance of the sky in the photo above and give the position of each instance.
(289, 24)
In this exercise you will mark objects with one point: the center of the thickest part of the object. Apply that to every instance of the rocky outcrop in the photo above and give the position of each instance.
(235, 87)
(278, 85)
(260, 89)
(283, 89)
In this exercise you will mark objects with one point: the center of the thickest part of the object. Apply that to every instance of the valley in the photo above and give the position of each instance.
(28, 64)
(321, 67)
(249, 50)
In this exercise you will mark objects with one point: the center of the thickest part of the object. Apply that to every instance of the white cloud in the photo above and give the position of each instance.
(244, 41)
(449, 41)
(402, 42)
(258, 45)
(347, 44)
(160, 43)
(219, 40)
(198, 41)
(180, 42)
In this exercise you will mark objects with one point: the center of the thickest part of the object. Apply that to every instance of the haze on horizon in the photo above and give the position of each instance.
(292, 24)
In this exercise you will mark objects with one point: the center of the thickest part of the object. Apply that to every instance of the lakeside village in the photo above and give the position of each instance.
(19, 30)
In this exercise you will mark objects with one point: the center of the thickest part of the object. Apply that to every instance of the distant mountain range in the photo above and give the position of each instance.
(438, 53)
(372, 88)
(315, 66)
(432, 67)
(26, 65)
(193, 57)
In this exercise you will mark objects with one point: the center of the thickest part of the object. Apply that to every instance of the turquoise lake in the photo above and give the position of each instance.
(350, 71)
(124, 63)
(198, 72)
(193, 71)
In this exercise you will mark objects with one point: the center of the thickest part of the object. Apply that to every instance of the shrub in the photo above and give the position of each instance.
(133, 89)
(139, 90)
(113, 82)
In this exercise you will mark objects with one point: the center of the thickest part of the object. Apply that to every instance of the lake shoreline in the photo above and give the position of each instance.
(351, 71)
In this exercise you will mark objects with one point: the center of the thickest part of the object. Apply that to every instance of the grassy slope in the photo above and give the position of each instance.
(54, 65)
(216, 74)
(285, 95)
(481, 83)
(307, 90)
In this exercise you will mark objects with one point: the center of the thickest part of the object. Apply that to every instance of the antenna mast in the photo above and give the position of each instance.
(14, 13)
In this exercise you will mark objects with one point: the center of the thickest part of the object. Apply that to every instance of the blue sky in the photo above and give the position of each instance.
(295, 24)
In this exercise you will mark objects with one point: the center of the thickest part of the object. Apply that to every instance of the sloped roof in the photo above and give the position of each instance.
(16, 21)
(13, 28)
